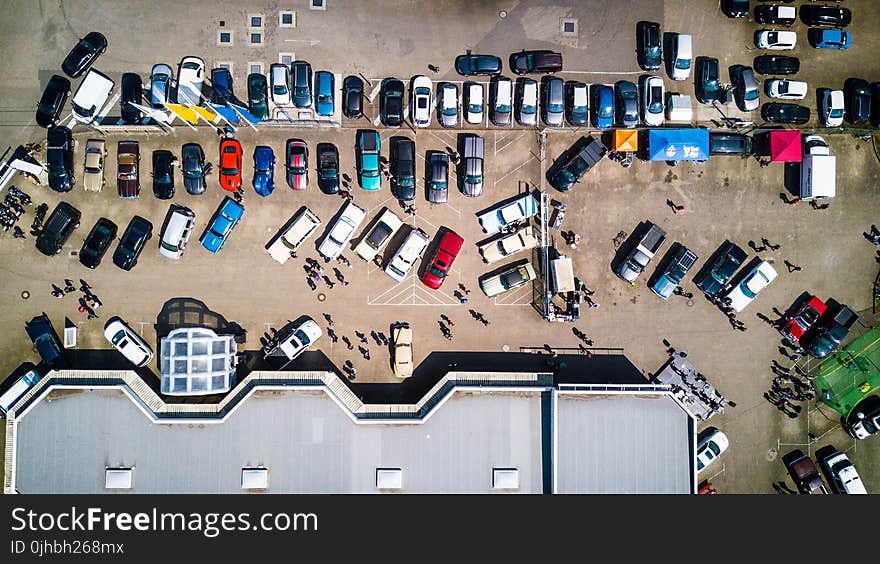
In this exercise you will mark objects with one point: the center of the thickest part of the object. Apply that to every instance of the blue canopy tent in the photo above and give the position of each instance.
(686, 144)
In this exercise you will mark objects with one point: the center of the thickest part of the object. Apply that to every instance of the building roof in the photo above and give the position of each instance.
(197, 361)
(509, 436)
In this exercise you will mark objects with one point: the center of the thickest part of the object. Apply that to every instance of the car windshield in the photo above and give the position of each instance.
(554, 107)
(119, 336)
(836, 113)
(754, 284)
(324, 98)
(606, 112)
(683, 64)
(168, 246)
(475, 108)
(656, 105)
(301, 337)
(301, 90)
(750, 95)
(230, 171)
(279, 89)
(578, 166)
(473, 179)
(437, 272)
(528, 109)
(83, 111)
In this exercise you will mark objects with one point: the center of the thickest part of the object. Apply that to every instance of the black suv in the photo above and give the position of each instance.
(568, 169)
(193, 168)
(57, 229)
(857, 100)
(729, 143)
(735, 8)
(778, 112)
(830, 16)
(132, 91)
(52, 102)
(648, 45)
(84, 54)
(352, 97)
(470, 64)
(541, 61)
(136, 235)
(391, 102)
(59, 158)
(97, 242)
(708, 83)
(777, 64)
(403, 168)
(715, 275)
(163, 174)
(828, 333)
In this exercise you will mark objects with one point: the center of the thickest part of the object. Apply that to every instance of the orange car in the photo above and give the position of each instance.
(230, 164)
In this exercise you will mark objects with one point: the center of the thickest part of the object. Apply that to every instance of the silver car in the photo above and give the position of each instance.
(160, 85)
(472, 166)
(526, 101)
(447, 104)
(279, 84)
(553, 101)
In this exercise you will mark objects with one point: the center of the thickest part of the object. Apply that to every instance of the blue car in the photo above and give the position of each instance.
(602, 106)
(224, 221)
(829, 38)
(264, 170)
(324, 93)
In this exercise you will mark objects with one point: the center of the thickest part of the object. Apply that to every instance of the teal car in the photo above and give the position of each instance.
(367, 148)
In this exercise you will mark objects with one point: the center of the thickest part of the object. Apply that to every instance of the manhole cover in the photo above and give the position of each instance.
(505, 348)
(502, 14)
(322, 297)
(690, 303)
(25, 295)
(772, 454)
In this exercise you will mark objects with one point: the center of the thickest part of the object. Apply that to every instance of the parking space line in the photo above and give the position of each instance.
(511, 172)
(516, 138)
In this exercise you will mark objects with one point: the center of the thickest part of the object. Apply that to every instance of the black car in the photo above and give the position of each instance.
(857, 101)
(193, 168)
(833, 327)
(301, 87)
(829, 16)
(715, 275)
(52, 101)
(59, 158)
(352, 97)
(133, 241)
(84, 54)
(648, 45)
(575, 162)
(778, 112)
(438, 177)
(97, 242)
(221, 86)
(539, 61)
(469, 64)
(776, 64)
(729, 143)
(875, 104)
(735, 8)
(708, 80)
(403, 168)
(258, 95)
(391, 102)
(132, 91)
(328, 168)
(57, 229)
(163, 174)
(775, 14)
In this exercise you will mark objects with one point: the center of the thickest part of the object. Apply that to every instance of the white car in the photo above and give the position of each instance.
(711, 447)
(743, 293)
(129, 343)
(176, 231)
(407, 254)
(91, 96)
(402, 337)
(474, 103)
(831, 108)
(190, 77)
(653, 92)
(341, 230)
(279, 78)
(420, 101)
(520, 240)
(447, 105)
(786, 89)
(380, 233)
(301, 337)
(775, 40)
(845, 478)
(527, 108)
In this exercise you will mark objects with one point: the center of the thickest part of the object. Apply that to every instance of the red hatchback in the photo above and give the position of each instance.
(803, 319)
(230, 164)
(441, 262)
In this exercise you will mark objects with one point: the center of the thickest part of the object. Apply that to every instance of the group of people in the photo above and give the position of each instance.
(88, 302)
(788, 388)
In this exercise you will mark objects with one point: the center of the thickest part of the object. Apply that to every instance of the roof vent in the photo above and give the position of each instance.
(505, 478)
(254, 478)
(118, 478)
(389, 478)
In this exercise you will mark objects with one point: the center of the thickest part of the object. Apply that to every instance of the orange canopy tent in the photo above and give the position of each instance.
(626, 140)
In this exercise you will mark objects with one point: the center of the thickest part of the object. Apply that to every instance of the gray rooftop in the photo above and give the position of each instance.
(606, 440)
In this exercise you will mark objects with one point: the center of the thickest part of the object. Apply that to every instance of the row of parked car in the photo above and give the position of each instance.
(822, 16)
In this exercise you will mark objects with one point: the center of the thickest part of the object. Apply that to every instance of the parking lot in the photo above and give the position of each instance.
(725, 198)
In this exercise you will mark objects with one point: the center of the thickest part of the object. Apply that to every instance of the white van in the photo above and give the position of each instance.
(407, 255)
(177, 230)
(682, 57)
(91, 96)
(292, 235)
(818, 170)
(17, 390)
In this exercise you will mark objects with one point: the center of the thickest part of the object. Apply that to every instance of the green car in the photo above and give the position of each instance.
(368, 146)
(257, 96)
(515, 275)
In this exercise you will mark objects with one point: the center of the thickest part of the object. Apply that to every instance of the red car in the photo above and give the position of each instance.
(803, 319)
(230, 164)
(441, 262)
(297, 164)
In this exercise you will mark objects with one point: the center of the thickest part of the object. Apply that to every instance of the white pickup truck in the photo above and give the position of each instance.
(294, 233)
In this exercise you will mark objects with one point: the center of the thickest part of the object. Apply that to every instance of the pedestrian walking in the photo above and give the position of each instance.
(329, 319)
(792, 267)
(329, 282)
(362, 337)
(770, 245)
(793, 201)
(672, 205)
(311, 284)
(57, 292)
(333, 336)
(347, 342)
(445, 318)
(345, 261)
(434, 68)
(594, 304)
(464, 289)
